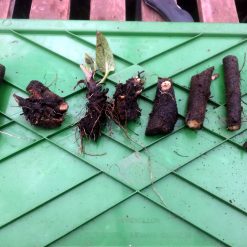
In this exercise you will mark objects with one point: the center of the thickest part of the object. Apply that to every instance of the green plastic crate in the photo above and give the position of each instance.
(184, 189)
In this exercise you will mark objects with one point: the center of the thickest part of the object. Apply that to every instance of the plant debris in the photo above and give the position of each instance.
(43, 108)
(233, 94)
(164, 115)
(198, 98)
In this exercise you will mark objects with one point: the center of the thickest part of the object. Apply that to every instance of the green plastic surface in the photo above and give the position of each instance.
(188, 188)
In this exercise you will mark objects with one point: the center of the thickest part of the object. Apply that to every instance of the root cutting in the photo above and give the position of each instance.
(165, 113)
(91, 124)
(198, 98)
(233, 94)
(43, 108)
(124, 106)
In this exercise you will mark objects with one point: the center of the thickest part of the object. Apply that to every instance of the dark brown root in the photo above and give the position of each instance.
(164, 114)
(198, 98)
(2, 72)
(245, 146)
(233, 94)
(43, 108)
(124, 106)
(91, 124)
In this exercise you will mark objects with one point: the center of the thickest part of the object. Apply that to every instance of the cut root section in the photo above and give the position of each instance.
(91, 124)
(233, 94)
(164, 115)
(124, 106)
(43, 108)
(198, 98)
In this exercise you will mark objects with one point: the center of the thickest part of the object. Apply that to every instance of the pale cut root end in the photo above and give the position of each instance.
(234, 127)
(165, 85)
(63, 107)
(194, 124)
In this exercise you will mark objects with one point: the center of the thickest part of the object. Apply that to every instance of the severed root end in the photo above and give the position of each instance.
(63, 107)
(234, 127)
(194, 124)
(165, 85)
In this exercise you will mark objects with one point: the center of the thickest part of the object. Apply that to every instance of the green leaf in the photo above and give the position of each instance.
(104, 56)
(90, 63)
(89, 68)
